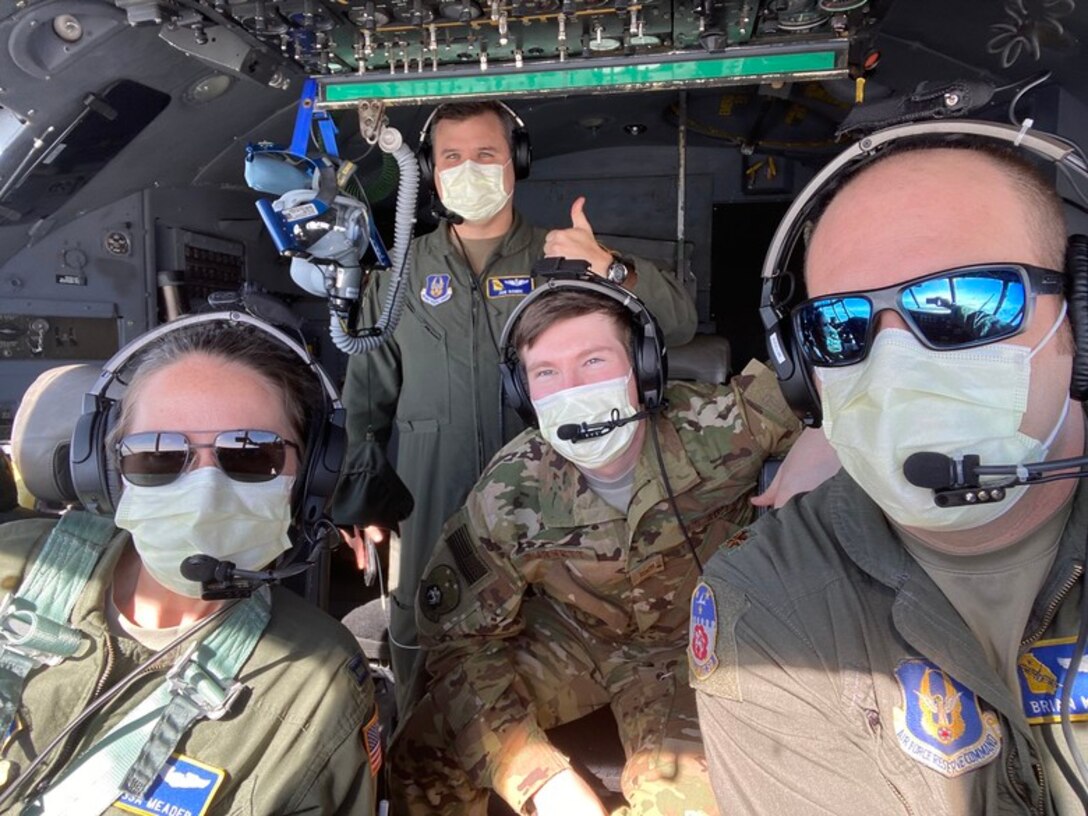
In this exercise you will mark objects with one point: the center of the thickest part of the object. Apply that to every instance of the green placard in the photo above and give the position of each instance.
(634, 77)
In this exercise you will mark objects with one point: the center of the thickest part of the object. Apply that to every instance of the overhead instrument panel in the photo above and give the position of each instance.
(399, 50)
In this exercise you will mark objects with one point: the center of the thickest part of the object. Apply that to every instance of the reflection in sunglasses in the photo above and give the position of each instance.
(155, 458)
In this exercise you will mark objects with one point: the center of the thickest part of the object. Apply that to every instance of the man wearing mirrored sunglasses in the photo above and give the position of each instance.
(269, 709)
(875, 652)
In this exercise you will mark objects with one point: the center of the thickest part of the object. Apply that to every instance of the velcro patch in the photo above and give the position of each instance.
(703, 632)
(184, 787)
(464, 553)
(358, 669)
(439, 593)
(500, 287)
(1042, 671)
(941, 723)
(372, 738)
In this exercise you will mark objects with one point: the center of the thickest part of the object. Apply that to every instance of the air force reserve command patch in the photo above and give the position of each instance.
(1042, 671)
(184, 787)
(942, 724)
(509, 285)
(703, 632)
(436, 290)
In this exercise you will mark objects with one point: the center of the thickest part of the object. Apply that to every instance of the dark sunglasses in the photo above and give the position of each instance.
(954, 309)
(157, 458)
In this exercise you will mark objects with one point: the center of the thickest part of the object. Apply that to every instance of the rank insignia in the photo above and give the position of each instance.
(436, 290)
(703, 632)
(507, 286)
(941, 723)
(1043, 670)
(183, 786)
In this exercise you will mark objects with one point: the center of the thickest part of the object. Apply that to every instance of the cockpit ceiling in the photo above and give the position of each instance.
(413, 50)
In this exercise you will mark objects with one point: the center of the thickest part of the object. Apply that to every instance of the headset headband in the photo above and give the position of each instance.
(113, 366)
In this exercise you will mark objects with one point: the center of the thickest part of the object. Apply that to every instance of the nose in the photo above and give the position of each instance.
(889, 319)
(202, 457)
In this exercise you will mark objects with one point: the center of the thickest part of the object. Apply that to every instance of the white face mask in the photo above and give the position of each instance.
(474, 191)
(596, 402)
(206, 512)
(905, 398)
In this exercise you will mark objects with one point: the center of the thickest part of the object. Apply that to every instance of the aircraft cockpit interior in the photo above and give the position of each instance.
(164, 158)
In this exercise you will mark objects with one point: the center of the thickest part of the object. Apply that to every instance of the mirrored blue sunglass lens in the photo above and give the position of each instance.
(833, 330)
(968, 309)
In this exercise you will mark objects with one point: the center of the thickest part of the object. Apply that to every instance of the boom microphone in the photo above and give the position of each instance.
(579, 432)
(441, 211)
(956, 481)
(937, 471)
(222, 579)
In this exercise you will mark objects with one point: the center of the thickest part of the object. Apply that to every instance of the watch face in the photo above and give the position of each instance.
(617, 272)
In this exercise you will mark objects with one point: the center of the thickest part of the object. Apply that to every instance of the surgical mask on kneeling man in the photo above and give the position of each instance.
(596, 402)
(205, 512)
(905, 398)
(474, 191)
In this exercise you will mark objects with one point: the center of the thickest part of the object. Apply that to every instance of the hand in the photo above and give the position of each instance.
(567, 794)
(578, 242)
(810, 461)
(362, 540)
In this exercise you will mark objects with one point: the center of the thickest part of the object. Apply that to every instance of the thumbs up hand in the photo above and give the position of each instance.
(578, 242)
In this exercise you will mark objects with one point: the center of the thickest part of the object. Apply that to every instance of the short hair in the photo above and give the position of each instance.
(301, 391)
(460, 111)
(563, 304)
(1041, 201)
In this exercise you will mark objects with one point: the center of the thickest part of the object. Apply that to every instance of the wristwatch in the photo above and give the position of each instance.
(618, 270)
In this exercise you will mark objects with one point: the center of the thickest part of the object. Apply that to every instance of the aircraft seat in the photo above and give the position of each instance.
(707, 358)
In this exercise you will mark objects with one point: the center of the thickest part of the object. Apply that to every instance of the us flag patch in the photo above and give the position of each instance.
(372, 736)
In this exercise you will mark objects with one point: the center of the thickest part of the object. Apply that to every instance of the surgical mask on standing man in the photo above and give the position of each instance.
(474, 191)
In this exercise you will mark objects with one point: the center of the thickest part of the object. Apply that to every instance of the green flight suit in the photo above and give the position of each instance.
(543, 602)
(292, 743)
(848, 683)
(438, 380)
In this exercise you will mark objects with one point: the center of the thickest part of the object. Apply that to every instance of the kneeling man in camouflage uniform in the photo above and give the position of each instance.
(561, 587)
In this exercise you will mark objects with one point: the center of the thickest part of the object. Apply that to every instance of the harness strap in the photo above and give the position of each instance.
(34, 627)
(200, 685)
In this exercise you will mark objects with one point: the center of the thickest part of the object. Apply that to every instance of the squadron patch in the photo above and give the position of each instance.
(703, 632)
(437, 290)
(439, 593)
(1042, 671)
(184, 787)
(501, 287)
(942, 724)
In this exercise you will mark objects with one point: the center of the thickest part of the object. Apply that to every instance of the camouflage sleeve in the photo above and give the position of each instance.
(766, 414)
(467, 613)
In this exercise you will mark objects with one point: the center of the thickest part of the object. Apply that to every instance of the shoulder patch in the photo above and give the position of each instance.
(358, 669)
(941, 723)
(183, 786)
(436, 290)
(372, 738)
(463, 548)
(439, 593)
(1042, 672)
(703, 632)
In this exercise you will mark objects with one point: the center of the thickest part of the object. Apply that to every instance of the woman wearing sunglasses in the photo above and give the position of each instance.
(265, 711)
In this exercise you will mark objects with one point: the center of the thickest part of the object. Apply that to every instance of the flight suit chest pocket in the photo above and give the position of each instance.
(425, 378)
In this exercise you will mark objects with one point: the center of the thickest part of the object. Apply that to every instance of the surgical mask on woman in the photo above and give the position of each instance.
(474, 191)
(596, 402)
(205, 512)
(905, 398)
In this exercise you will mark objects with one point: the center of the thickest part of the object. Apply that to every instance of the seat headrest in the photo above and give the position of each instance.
(42, 433)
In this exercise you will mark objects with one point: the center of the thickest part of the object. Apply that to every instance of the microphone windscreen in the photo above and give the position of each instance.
(929, 469)
(568, 432)
(199, 568)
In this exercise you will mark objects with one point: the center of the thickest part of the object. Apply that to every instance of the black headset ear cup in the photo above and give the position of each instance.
(321, 469)
(95, 477)
(425, 156)
(1076, 270)
(522, 153)
(514, 389)
(794, 375)
(111, 468)
(651, 361)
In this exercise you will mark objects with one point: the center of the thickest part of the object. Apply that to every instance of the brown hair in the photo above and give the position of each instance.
(460, 111)
(563, 304)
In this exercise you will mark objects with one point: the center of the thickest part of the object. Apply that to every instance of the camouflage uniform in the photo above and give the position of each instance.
(543, 602)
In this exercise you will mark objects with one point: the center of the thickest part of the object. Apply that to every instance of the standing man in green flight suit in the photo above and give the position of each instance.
(437, 378)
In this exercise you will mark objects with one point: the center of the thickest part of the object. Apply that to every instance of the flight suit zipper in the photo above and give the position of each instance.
(1078, 570)
(898, 795)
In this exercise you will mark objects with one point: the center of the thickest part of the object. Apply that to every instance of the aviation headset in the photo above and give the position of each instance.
(521, 149)
(795, 376)
(96, 478)
(650, 360)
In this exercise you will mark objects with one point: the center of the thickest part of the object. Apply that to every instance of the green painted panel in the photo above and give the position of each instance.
(581, 79)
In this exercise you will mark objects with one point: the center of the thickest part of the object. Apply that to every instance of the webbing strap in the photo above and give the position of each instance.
(34, 627)
(204, 677)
